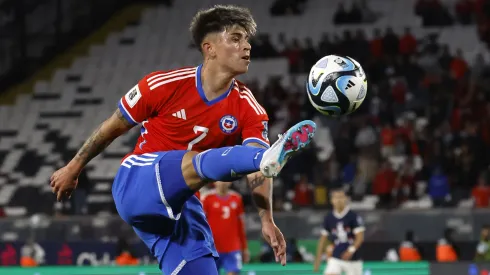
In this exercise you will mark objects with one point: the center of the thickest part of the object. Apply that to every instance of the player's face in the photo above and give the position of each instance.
(233, 49)
(339, 199)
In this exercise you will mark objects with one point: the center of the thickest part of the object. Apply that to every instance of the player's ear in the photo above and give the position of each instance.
(208, 45)
(207, 48)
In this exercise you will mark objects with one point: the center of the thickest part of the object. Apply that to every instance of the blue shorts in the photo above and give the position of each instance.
(230, 262)
(151, 195)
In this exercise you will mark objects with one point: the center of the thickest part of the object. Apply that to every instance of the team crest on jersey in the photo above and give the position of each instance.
(228, 124)
(233, 205)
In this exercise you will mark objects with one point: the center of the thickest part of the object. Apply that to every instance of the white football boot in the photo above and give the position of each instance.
(295, 139)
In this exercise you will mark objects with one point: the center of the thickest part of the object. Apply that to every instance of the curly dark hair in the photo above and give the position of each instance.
(218, 18)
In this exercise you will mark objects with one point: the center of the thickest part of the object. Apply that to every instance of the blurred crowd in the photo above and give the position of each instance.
(422, 132)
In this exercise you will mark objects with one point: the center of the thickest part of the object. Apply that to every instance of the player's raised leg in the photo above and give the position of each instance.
(230, 163)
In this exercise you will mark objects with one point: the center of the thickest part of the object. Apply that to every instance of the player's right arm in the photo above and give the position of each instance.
(321, 246)
(137, 105)
(113, 127)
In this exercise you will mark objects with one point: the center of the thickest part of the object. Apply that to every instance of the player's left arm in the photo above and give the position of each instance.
(261, 188)
(262, 196)
(358, 230)
(255, 133)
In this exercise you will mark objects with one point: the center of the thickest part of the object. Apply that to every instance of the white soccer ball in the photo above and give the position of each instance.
(336, 85)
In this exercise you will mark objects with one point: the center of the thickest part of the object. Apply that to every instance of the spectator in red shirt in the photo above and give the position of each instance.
(383, 184)
(481, 193)
(458, 67)
(399, 91)
(293, 54)
(408, 43)
(303, 192)
(387, 140)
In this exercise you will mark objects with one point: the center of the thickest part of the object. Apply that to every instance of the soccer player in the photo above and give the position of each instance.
(190, 119)
(343, 234)
(224, 210)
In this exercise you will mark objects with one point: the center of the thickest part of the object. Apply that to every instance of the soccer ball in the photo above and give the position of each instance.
(336, 85)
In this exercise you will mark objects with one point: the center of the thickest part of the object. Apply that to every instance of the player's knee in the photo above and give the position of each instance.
(189, 173)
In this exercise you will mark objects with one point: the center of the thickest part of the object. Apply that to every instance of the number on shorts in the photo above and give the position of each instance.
(204, 131)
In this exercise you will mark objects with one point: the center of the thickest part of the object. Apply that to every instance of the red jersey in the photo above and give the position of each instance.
(175, 114)
(225, 216)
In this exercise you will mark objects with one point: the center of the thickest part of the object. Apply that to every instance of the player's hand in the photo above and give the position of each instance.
(329, 250)
(347, 255)
(246, 256)
(273, 235)
(63, 182)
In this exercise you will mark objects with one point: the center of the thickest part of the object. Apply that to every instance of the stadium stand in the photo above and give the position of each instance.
(45, 128)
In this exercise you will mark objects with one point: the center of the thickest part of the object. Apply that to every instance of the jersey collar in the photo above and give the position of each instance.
(341, 214)
(200, 90)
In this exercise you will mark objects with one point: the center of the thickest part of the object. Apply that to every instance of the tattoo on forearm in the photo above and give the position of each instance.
(96, 143)
(262, 212)
(263, 197)
(257, 181)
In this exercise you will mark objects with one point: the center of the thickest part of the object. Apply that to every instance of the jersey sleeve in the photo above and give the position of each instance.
(326, 229)
(256, 124)
(358, 224)
(144, 99)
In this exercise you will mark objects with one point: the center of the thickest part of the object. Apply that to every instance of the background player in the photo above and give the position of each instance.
(344, 232)
(183, 112)
(224, 210)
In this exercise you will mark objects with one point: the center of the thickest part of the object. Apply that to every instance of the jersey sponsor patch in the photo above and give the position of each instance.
(265, 132)
(228, 124)
(133, 96)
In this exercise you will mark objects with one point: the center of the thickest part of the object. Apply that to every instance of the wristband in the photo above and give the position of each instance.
(351, 249)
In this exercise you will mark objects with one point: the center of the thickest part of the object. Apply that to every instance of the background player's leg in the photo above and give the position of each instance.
(204, 265)
(233, 263)
(354, 268)
(333, 267)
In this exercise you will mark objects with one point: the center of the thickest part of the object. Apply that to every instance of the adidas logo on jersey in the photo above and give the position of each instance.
(180, 114)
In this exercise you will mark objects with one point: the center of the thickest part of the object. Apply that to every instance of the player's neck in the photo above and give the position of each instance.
(215, 81)
(340, 211)
(222, 193)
